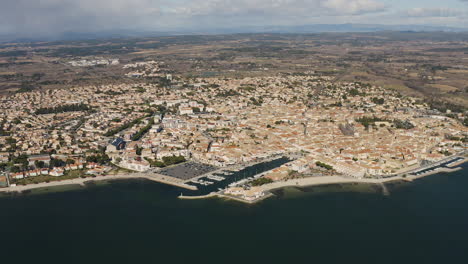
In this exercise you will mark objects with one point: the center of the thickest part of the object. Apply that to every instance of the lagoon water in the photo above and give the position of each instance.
(143, 222)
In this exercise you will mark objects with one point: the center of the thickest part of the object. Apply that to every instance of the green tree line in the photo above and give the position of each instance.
(143, 131)
(62, 109)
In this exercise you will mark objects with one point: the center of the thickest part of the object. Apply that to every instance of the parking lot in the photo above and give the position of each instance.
(187, 170)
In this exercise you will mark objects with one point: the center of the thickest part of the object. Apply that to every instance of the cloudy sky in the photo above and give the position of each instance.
(41, 17)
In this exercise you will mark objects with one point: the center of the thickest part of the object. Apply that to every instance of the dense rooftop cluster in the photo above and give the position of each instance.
(354, 128)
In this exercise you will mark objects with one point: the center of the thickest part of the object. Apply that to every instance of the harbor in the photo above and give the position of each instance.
(216, 181)
(222, 178)
(154, 212)
(448, 165)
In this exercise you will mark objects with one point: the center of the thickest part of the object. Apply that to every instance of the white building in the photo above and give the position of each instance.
(135, 165)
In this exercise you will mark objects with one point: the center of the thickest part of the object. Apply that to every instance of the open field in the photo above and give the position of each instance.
(430, 65)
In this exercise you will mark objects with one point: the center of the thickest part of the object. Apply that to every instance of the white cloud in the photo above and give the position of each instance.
(434, 12)
(279, 7)
(41, 17)
(354, 6)
(38, 17)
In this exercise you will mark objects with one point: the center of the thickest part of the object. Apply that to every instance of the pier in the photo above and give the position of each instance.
(166, 180)
(385, 190)
(210, 195)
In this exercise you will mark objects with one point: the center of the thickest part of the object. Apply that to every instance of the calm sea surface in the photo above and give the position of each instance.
(144, 222)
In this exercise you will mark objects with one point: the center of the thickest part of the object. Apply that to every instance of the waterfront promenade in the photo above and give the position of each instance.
(317, 181)
(325, 180)
(303, 182)
(81, 181)
(77, 181)
(150, 175)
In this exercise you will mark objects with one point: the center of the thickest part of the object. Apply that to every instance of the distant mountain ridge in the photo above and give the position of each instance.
(318, 28)
(300, 29)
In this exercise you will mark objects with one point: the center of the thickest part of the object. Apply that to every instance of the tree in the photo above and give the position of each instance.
(369, 120)
(173, 160)
(15, 169)
(11, 141)
(159, 164)
(261, 181)
(399, 124)
(21, 159)
(378, 100)
(139, 150)
(156, 163)
(144, 130)
(140, 90)
(39, 164)
(99, 158)
(57, 163)
(354, 92)
(62, 109)
(323, 165)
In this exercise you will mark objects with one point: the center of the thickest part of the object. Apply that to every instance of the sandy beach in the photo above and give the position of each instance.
(311, 181)
(315, 181)
(78, 181)
(137, 175)
(82, 181)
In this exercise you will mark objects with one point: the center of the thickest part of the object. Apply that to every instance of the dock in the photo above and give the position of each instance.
(210, 195)
(166, 180)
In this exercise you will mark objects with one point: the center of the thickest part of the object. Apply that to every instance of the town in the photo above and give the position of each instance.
(351, 129)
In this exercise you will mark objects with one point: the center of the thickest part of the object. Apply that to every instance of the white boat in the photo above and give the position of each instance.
(215, 178)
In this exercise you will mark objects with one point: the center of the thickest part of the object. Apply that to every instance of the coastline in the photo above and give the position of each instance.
(327, 180)
(83, 181)
(267, 188)
(136, 175)
(78, 181)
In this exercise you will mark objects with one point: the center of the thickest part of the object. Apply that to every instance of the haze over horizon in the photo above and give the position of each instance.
(30, 18)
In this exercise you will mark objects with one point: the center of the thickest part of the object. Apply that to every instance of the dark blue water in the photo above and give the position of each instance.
(235, 176)
(144, 222)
